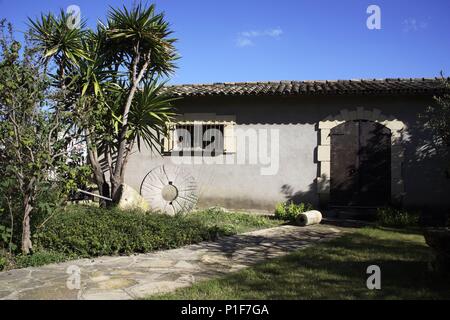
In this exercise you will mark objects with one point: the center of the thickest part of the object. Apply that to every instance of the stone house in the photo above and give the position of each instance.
(352, 143)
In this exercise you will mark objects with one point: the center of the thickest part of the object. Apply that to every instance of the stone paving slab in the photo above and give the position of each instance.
(137, 276)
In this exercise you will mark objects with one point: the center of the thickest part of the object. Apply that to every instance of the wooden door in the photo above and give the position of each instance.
(360, 164)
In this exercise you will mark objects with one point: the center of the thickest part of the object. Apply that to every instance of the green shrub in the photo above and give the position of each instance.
(41, 258)
(6, 260)
(3, 262)
(89, 231)
(289, 210)
(391, 217)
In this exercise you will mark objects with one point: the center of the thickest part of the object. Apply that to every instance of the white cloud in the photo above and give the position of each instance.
(275, 32)
(244, 42)
(245, 38)
(412, 24)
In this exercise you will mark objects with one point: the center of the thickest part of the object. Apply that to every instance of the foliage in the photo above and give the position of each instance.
(110, 78)
(6, 235)
(437, 118)
(40, 258)
(289, 210)
(5, 259)
(391, 217)
(85, 231)
(2, 262)
(89, 231)
(35, 151)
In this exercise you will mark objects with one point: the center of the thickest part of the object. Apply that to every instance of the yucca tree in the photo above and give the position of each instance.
(139, 42)
(111, 78)
(150, 111)
(59, 42)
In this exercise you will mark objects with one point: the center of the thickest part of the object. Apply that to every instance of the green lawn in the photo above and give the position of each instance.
(231, 223)
(334, 270)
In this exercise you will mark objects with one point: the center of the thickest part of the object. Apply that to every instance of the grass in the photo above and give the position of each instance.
(334, 270)
(231, 223)
(397, 218)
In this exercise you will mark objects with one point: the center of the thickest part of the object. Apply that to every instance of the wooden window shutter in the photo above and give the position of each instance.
(168, 140)
(229, 140)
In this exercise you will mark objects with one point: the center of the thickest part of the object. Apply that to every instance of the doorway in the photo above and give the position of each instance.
(360, 164)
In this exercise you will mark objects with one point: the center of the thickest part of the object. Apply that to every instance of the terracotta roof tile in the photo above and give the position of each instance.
(370, 86)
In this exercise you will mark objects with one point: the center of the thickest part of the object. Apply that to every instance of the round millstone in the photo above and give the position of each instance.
(170, 189)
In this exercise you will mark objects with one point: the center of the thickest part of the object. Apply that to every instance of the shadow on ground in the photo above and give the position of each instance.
(336, 270)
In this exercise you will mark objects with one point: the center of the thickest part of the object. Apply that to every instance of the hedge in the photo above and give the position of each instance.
(90, 231)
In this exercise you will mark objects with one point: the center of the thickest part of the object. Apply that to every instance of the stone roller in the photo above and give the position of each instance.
(309, 218)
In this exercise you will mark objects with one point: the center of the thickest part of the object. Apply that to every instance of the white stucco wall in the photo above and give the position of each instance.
(242, 186)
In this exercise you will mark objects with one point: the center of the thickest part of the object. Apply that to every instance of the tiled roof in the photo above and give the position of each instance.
(339, 87)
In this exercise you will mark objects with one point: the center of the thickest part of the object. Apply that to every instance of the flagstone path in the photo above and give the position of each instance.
(137, 276)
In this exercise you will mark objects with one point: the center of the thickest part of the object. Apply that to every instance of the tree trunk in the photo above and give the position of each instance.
(102, 185)
(117, 180)
(116, 177)
(99, 176)
(26, 230)
(115, 189)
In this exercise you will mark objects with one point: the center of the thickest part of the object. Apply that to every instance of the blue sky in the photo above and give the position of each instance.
(260, 40)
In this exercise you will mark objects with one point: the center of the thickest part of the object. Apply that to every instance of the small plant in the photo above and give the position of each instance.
(391, 217)
(6, 260)
(5, 234)
(3, 262)
(6, 238)
(40, 258)
(289, 210)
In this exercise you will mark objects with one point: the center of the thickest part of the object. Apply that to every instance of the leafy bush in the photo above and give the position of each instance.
(6, 260)
(289, 210)
(391, 217)
(3, 261)
(90, 231)
(6, 238)
(5, 235)
(41, 258)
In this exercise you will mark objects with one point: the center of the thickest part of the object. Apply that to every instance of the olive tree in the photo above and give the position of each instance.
(34, 145)
(437, 118)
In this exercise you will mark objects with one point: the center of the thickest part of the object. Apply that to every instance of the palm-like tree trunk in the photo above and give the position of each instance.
(99, 175)
(117, 177)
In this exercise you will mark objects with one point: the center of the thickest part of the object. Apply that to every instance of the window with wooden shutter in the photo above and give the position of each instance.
(213, 137)
(229, 140)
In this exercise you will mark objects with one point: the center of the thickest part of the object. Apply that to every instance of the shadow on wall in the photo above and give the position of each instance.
(310, 195)
(427, 185)
(361, 164)
(360, 171)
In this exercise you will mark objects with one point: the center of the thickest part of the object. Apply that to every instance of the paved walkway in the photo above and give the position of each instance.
(137, 276)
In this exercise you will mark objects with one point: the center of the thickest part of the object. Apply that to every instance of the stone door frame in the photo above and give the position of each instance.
(397, 128)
